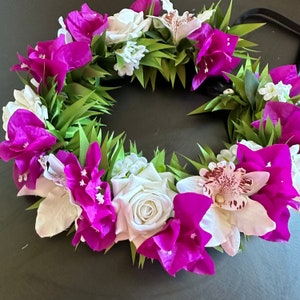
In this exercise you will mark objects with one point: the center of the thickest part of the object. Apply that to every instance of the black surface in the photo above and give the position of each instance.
(34, 268)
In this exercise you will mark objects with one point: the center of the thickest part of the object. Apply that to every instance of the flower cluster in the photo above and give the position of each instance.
(103, 194)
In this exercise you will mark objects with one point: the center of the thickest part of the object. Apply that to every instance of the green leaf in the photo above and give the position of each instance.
(226, 19)
(35, 205)
(243, 29)
(159, 160)
(251, 85)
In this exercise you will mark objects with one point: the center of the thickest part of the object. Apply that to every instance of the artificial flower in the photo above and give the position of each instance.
(288, 75)
(143, 203)
(181, 243)
(128, 58)
(25, 99)
(215, 56)
(279, 193)
(181, 26)
(54, 58)
(126, 25)
(227, 154)
(27, 141)
(288, 114)
(232, 211)
(147, 7)
(278, 91)
(56, 212)
(131, 164)
(85, 24)
(96, 223)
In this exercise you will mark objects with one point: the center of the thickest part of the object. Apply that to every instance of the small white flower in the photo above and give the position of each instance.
(269, 91)
(283, 91)
(279, 91)
(128, 58)
(228, 155)
(24, 99)
(131, 164)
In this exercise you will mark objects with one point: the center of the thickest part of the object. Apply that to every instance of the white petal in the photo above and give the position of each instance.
(43, 186)
(232, 245)
(215, 221)
(167, 5)
(206, 15)
(55, 213)
(253, 219)
(189, 184)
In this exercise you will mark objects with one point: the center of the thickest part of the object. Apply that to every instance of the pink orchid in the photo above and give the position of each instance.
(147, 6)
(181, 243)
(233, 211)
(279, 193)
(54, 58)
(215, 55)
(85, 24)
(96, 224)
(27, 141)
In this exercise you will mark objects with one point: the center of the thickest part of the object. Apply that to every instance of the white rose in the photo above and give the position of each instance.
(143, 204)
(126, 25)
(24, 99)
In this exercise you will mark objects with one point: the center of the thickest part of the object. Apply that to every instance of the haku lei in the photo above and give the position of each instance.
(102, 192)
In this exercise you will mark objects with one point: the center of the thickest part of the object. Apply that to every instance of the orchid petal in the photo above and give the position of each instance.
(252, 219)
(56, 213)
(189, 184)
(231, 246)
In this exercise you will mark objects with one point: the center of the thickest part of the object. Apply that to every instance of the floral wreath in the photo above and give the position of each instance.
(92, 187)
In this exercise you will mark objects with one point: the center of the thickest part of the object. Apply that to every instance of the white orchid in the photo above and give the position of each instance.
(57, 211)
(183, 25)
(232, 211)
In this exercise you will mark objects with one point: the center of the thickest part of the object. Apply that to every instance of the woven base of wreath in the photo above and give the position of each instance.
(71, 144)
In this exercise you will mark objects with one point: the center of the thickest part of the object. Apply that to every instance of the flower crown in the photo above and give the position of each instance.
(90, 184)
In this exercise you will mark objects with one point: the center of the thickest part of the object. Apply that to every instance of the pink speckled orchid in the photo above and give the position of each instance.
(232, 211)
